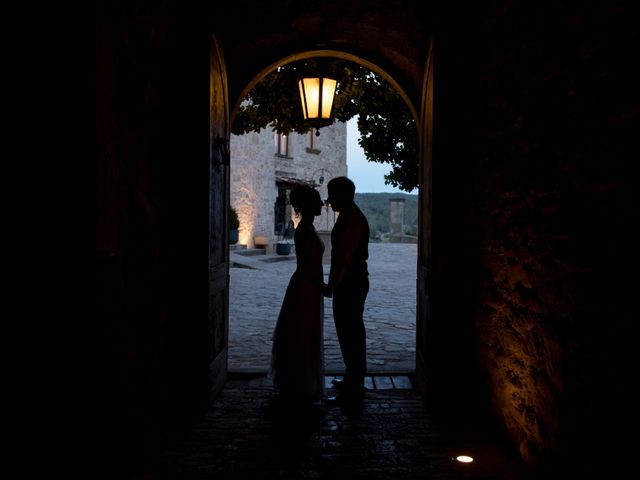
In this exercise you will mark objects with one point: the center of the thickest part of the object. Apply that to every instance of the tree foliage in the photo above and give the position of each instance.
(387, 130)
(234, 221)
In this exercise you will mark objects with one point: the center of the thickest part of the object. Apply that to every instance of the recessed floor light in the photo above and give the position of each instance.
(464, 459)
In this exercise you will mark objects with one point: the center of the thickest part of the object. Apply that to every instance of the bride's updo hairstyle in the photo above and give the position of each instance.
(303, 199)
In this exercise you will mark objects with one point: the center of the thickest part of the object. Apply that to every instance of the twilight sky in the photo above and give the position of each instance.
(368, 176)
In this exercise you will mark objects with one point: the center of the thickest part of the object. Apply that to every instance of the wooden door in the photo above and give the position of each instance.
(218, 324)
(424, 267)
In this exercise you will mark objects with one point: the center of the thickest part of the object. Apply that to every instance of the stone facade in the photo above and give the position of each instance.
(264, 168)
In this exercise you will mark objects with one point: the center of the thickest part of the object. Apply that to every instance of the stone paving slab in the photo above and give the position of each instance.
(257, 287)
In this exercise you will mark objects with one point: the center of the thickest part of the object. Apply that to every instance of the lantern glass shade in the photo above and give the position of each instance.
(316, 96)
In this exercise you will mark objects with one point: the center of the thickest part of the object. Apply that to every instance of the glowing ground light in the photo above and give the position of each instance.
(464, 459)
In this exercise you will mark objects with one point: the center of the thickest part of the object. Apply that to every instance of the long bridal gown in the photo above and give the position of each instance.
(297, 355)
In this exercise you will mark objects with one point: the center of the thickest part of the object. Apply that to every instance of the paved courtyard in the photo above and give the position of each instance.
(257, 287)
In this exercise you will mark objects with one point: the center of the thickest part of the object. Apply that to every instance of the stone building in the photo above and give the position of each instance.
(265, 166)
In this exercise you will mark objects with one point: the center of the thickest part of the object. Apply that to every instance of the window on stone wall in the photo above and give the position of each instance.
(312, 147)
(283, 145)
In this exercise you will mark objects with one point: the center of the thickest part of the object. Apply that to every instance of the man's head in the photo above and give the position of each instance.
(341, 193)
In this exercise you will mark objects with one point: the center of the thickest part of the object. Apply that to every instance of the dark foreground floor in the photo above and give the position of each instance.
(248, 435)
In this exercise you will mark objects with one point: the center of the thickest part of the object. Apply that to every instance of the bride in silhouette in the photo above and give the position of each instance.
(297, 355)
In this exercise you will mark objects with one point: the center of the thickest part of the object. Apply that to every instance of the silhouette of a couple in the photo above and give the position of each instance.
(297, 354)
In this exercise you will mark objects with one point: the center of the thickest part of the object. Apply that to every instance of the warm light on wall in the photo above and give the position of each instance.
(247, 217)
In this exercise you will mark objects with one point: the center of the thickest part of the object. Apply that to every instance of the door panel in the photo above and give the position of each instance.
(218, 232)
(423, 287)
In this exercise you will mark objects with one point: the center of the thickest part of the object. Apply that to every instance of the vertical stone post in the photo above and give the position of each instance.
(396, 219)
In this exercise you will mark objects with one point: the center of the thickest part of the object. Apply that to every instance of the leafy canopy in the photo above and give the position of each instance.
(387, 130)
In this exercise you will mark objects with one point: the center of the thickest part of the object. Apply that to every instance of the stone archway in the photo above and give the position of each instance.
(326, 54)
(410, 106)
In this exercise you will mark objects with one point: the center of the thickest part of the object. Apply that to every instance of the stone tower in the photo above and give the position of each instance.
(396, 219)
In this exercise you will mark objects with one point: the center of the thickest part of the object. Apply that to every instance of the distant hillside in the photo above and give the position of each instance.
(375, 206)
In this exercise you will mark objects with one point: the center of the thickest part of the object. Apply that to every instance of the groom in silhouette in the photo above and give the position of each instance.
(349, 284)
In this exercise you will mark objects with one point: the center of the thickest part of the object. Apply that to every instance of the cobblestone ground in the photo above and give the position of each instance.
(256, 294)
(246, 434)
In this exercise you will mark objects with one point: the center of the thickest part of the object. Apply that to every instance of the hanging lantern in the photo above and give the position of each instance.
(316, 96)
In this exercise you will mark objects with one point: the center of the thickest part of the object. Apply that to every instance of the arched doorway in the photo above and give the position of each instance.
(421, 269)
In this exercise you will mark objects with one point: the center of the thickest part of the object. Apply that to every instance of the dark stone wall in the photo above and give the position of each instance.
(152, 98)
(534, 205)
